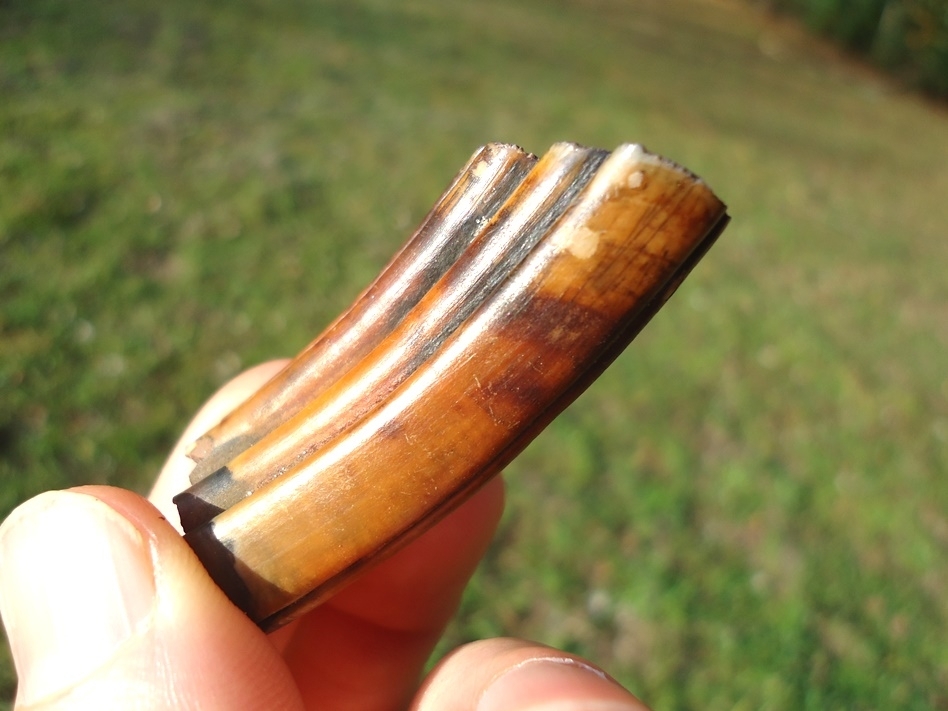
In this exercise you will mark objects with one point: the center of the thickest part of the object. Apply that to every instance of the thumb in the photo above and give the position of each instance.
(106, 607)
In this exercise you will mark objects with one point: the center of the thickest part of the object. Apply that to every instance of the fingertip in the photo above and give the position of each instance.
(555, 683)
(77, 585)
(516, 675)
(106, 607)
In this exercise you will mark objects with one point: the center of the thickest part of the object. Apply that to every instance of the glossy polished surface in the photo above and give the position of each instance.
(415, 426)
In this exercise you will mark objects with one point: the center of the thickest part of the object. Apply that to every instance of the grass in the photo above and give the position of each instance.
(745, 512)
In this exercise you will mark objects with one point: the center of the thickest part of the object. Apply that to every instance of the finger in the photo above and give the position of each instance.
(385, 625)
(174, 475)
(106, 607)
(514, 675)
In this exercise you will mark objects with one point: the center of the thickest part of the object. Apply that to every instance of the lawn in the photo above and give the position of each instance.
(744, 512)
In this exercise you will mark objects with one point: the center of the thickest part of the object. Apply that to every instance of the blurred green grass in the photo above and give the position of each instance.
(743, 513)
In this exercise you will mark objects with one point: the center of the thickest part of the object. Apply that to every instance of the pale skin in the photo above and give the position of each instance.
(106, 607)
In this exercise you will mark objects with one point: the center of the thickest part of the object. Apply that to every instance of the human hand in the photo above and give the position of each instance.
(106, 607)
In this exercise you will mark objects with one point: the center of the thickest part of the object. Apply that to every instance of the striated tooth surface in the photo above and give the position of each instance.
(476, 193)
(584, 250)
(499, 244)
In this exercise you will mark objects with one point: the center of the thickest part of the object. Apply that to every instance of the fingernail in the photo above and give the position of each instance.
(556, 684)
(76, 582)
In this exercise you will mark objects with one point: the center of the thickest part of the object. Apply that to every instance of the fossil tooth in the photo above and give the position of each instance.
(565, 262)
